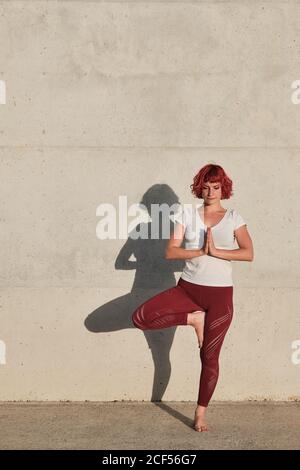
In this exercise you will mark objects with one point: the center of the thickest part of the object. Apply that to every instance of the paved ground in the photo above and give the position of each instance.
(148, 426)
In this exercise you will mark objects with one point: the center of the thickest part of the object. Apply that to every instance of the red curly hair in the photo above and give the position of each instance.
(212, 173)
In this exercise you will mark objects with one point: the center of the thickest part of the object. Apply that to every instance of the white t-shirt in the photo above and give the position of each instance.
(208, 270)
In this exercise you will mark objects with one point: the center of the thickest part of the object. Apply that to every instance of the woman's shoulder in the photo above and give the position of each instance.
(233, 211)
(236, 217)
(182, 214)
(185, 213)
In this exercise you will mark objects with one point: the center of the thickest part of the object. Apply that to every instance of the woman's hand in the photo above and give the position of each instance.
(204, 248)
(212, 250)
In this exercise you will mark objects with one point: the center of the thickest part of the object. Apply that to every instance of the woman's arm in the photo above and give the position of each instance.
(245, 251)
(173, 248)
(122, 261)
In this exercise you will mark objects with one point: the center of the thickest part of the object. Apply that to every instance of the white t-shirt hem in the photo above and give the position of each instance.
(194, 281)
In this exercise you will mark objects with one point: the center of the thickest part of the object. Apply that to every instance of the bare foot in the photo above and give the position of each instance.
(200, 424)
(196, 319)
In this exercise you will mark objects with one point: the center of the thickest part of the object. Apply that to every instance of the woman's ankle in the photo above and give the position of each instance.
(201, 409)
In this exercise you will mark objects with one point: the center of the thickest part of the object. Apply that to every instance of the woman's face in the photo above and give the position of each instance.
(211, 192)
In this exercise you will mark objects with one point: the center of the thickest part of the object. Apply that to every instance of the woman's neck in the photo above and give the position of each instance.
(214, 207)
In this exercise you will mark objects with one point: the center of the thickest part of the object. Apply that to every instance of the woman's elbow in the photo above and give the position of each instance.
(168, 253)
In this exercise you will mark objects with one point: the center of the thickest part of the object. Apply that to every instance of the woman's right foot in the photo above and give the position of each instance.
(196, 319)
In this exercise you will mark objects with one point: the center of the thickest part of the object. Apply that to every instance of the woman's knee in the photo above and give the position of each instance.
(138, 320)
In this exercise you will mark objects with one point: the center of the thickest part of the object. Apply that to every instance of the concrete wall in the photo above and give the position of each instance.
(125, 98)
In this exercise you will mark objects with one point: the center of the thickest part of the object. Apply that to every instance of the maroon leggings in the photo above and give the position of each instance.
(172, 306)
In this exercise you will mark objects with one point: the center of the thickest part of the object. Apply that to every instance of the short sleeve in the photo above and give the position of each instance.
(238, 220)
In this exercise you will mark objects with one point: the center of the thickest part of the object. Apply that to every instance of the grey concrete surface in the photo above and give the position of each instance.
(148, 425)
(128, 98)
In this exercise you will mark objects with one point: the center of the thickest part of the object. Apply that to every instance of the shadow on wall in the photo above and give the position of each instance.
(153, 275)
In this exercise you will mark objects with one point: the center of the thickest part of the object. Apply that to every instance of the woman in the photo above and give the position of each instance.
(203, 296)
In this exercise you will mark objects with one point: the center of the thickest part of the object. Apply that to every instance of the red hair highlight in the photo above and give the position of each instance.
(214, 174)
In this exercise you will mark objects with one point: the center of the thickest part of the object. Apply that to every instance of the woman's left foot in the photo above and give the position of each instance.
(196, 319)
(200, 424)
